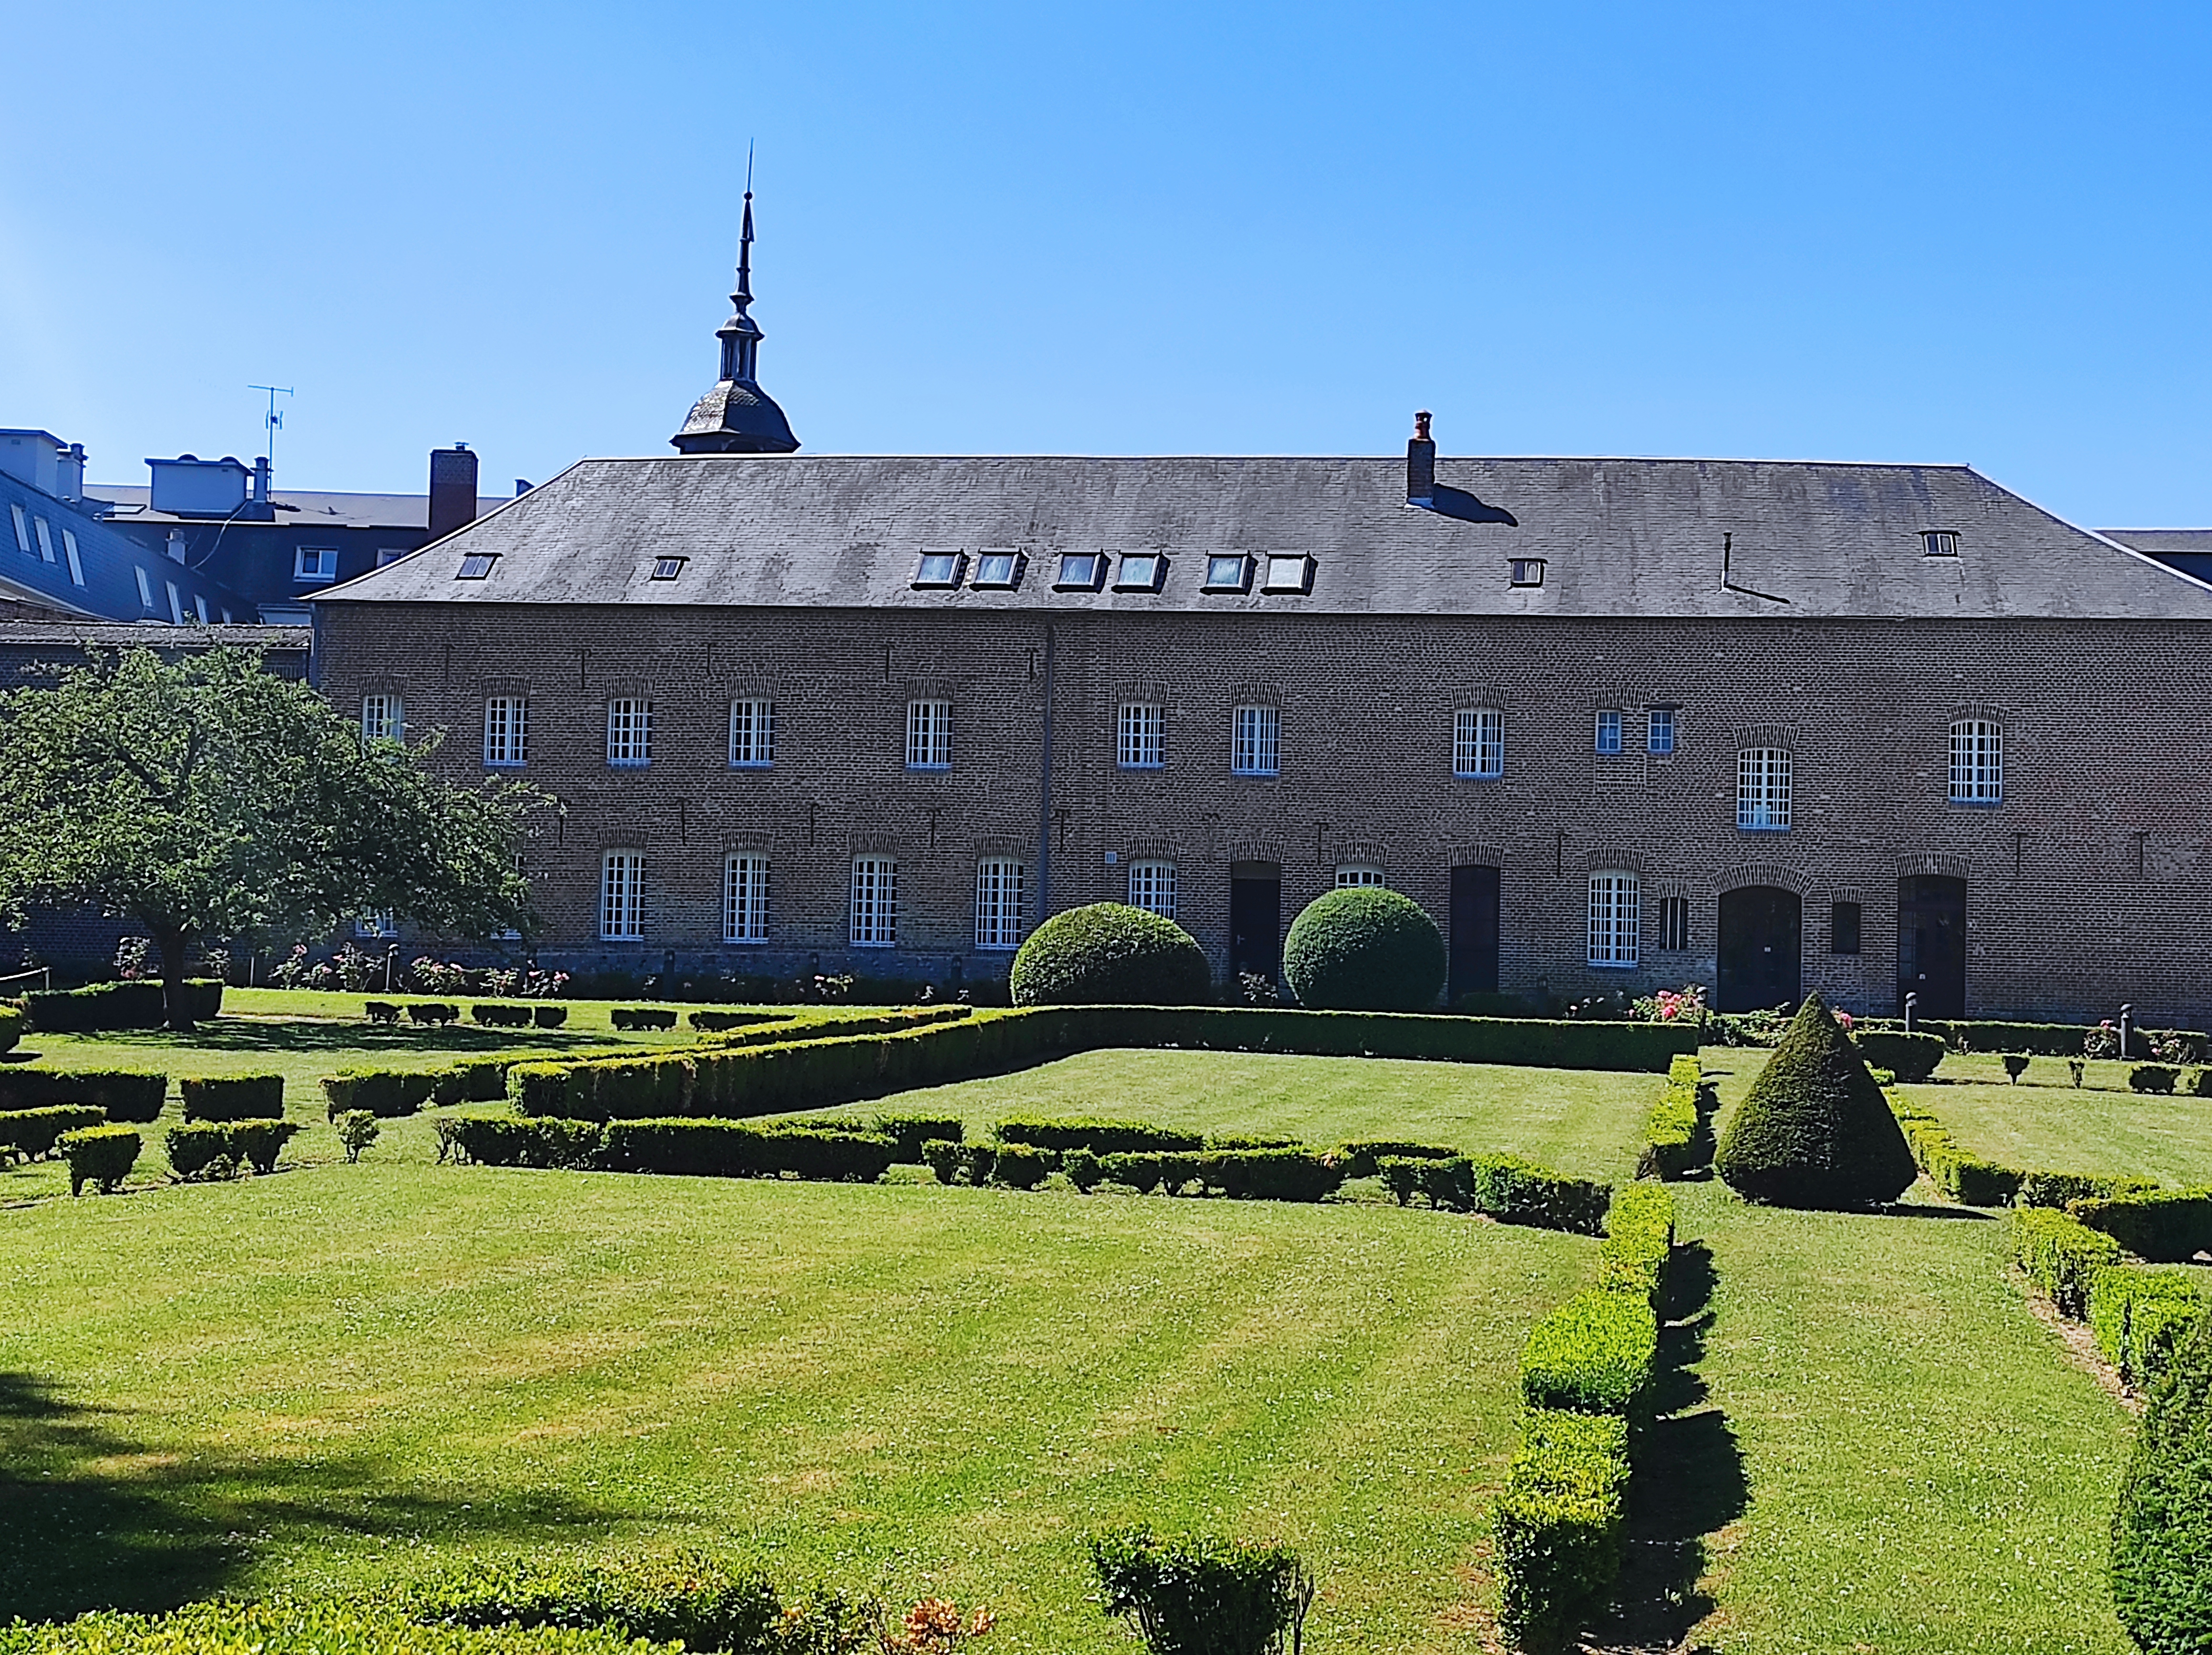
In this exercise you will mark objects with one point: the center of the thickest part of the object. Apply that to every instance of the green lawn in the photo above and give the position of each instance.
(2045, 1122)
(334, 1376)
(1576, 1121)
(1926, 1471)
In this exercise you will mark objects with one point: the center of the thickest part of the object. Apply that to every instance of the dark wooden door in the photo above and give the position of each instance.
(1931, 944)
(1760, 951)
(1255, 918)
(1473, 932)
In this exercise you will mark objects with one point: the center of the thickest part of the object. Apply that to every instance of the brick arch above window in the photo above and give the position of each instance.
(1671, 886)
(879, 844)
(1014, 845)
(1255, 695)
(929, 689)
(1613, 860)
(1150, 847)
(1782, 735)
(1477, 854)
(1478, 695)
(505, 686)
(1251, 848)
(1367, 851)
(1945, 863)
(755, 843)
(1153, 692)
(1987, 712)
(1764, 873)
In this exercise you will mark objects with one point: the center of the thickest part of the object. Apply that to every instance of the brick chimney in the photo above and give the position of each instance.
(453, 489)
(1421, 463)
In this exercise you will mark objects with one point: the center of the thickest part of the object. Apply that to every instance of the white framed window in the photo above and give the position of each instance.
(1478, 742)
(1762, 789)
(506, 732)
(1228, 571)
(1080, 572)
(752, 733)
(1606, 736)
(1659, 730)
(630, 730)
(176, 605)
(145, 587)
(1000, 892)
(1614, 918)
(1977, 762)
(1288, 572)
(938, 568)
(475, 565)
(1939, 543)
(622, 896)
(1137, 737)
(1152, 887)
(382, 716)
(1140, 571)
(75, 562)
(929, 734)
(999, 567)
(393, 554)
(669, 567)
(200, 609)
(1524, 571)
(376, 925)
(315, 563)
(1255, 742)
(875, 902)
(45, 539)
(744, 897)
(22, 526)
(1353, 874)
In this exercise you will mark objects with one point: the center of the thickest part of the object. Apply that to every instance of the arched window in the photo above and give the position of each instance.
(1977, 762)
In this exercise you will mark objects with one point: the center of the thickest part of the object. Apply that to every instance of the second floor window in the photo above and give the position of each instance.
(752, 734)
(929, 734)
(1659, 730)
(315, 563)
(745, 898)
(1609, 730)
(380, 718)
(1977, 762)
(630, 730)
(1614, 918)
(507, 731)
(1256, 746)
(1136, 744)
(1479, 741)
(1762, 789)
(875, 902)
(999, 893)
(1152, 887)
(622, 896)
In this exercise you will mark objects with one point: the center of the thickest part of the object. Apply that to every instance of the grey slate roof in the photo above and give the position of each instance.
(296, 508)
(1619, 537)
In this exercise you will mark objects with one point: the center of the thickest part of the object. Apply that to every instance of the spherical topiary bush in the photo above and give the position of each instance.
(2161, 1565)
(1110, 954)
(1815, 1130)
(1364, 949)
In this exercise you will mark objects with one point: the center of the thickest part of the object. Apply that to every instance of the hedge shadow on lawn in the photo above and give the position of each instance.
(1689, 1482)
(90, 1519)
(248, 1034)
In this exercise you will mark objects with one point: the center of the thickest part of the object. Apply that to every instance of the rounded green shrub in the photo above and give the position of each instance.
(1110, 954)
(2161, 1563)
(1364, 949)
(1814, 1130)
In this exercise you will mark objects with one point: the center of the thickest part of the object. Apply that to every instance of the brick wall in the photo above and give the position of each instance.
(2086, 887)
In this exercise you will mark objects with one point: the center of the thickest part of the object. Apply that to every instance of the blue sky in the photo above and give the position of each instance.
(1926, 232)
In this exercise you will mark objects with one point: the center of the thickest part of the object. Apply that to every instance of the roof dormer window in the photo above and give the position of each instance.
(476, 566)
(668, 568)
(1939, 543)
(1228, 571)
(1000, 568)
(939, 568)
(1080, 572)
(1524, 571)
(1140, 572)
(1288, 572)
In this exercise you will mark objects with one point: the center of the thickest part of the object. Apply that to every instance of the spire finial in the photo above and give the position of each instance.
(736, 417)
(744, 295)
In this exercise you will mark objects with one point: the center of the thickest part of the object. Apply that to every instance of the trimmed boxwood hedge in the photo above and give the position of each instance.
(2161, 1557)
(1110, 953)
(13, 1021)
(910, 1132)
(504, 1141)
(1911, 1057)
(2061, 1256)
(385, 1092)
(1678, 1133)
(2141, 1315)
(1363, 1157)
(1101, 1137)
(690, 1599)
(103, 1155)
(197, 1145)
(33, 1133)
(1364, 949)
(233, 1097)
(1504, 1187)
(1593, 1354)
(728, 1148)
(2167, 1226)
(100, 1006)
(1560, 1531)
(301, 1627)
(127, 1094)
(1639, 1243)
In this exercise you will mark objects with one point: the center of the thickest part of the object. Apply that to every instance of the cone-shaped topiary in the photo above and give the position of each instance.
(1814, 1130)
(1364, 949)
(1110, 954)
(2162, 1530)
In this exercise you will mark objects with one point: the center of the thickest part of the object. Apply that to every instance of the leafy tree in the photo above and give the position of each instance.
(207, 798)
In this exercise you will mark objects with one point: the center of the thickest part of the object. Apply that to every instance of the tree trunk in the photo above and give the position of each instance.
(171, 942)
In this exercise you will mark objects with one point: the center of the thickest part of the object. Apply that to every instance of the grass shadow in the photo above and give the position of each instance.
(90, 1519)
(1689, 1481)
(1929, 1209)
(254, 1036)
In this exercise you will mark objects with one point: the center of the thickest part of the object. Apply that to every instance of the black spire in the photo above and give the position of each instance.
(736, 417)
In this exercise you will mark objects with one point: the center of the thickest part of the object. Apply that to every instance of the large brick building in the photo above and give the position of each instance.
(1624, 723)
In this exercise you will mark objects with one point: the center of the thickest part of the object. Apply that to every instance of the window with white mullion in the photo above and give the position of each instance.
(745, 898)
(1615, 916)
(630, 730)
(875, 902)
(1355, 873)
(506, 732)
(1977, 762)
(380, 718)
(1256, 748)
(1762, 789)
(752, 733)
(1479, 741)
(999, 893)
(622, 896)
(1138, 744)
(929, 734)
(1152, 887)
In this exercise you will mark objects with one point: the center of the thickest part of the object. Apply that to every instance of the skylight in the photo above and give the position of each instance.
(1940, 542)
(939, 568)
(1080, 571)
(998, 567)
(1288, 572)
(476, 566)
(1524, 571)
(667, 568)
(1228, 571)
(1140, 572)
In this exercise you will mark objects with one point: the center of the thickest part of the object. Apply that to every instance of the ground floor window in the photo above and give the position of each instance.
(1152, 887)
(745, 898)
(999, 882)
(875, 902)
(1673, 924)
(622, 896)
(1358, 873)
(1614, 916)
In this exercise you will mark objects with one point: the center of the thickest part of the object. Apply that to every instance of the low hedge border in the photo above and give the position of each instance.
(33, 1133)
(142, 1004)
(1678, 1134)
(1967, 1178)
(2167, 1226)
(2062, 1255)
(196, 1147)
(233, 1097)
(127, 1094)
(388, 1092)
(2141, 1315)
(1910, 1057)
(1504, 1187)
(14, 1020)
(101, 1156)
(1100, 1137)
